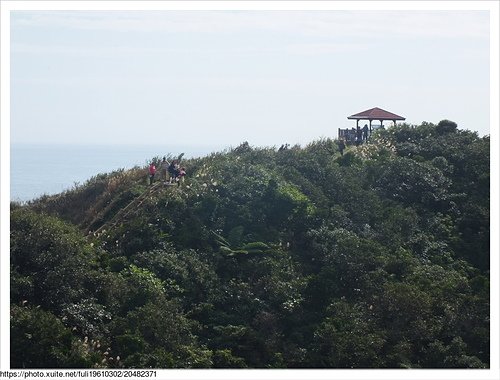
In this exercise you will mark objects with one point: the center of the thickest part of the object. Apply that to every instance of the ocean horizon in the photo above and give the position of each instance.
(47, 169)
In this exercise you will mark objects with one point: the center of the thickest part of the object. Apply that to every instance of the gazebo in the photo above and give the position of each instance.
(375, 114)
(372, 114)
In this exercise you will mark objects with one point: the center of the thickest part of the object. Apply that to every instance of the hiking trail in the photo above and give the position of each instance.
(129, 208)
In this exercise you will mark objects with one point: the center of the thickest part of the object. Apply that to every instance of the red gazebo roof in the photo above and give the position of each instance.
(375, 114)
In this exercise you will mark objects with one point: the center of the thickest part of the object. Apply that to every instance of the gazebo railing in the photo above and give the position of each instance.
(348, 135)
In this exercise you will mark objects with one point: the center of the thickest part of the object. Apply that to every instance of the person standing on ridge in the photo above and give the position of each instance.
(359, 135)
(173, 170)
(365, 133)
(152, 172)
(341, 145)
(352, 135)
(181, 175)
(164, 169)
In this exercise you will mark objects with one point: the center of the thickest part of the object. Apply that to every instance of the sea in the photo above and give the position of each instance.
(37, 170)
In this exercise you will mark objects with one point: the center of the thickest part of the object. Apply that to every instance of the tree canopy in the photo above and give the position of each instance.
(265, 258)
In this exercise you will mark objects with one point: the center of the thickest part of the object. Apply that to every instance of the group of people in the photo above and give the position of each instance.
(283, 147)
(359, 135)
(356, 136)
(168, 170)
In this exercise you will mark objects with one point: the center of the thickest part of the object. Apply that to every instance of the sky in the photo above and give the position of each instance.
(223, 77)
(219, 78)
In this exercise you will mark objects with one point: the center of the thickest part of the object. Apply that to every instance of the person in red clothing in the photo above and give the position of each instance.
(181, 175)
(152, 172)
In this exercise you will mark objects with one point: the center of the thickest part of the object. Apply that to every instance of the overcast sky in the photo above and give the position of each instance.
(223, 77)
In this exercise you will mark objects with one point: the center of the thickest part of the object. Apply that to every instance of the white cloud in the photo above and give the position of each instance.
(303, 32)
(273, 32)
(114, 51)
(320, 24)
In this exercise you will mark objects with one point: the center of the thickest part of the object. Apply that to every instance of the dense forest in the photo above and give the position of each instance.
(265, 258)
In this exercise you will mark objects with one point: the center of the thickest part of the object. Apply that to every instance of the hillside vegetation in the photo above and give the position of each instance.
(300, 258)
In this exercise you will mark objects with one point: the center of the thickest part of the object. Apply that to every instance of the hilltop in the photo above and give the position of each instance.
(297, 258)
